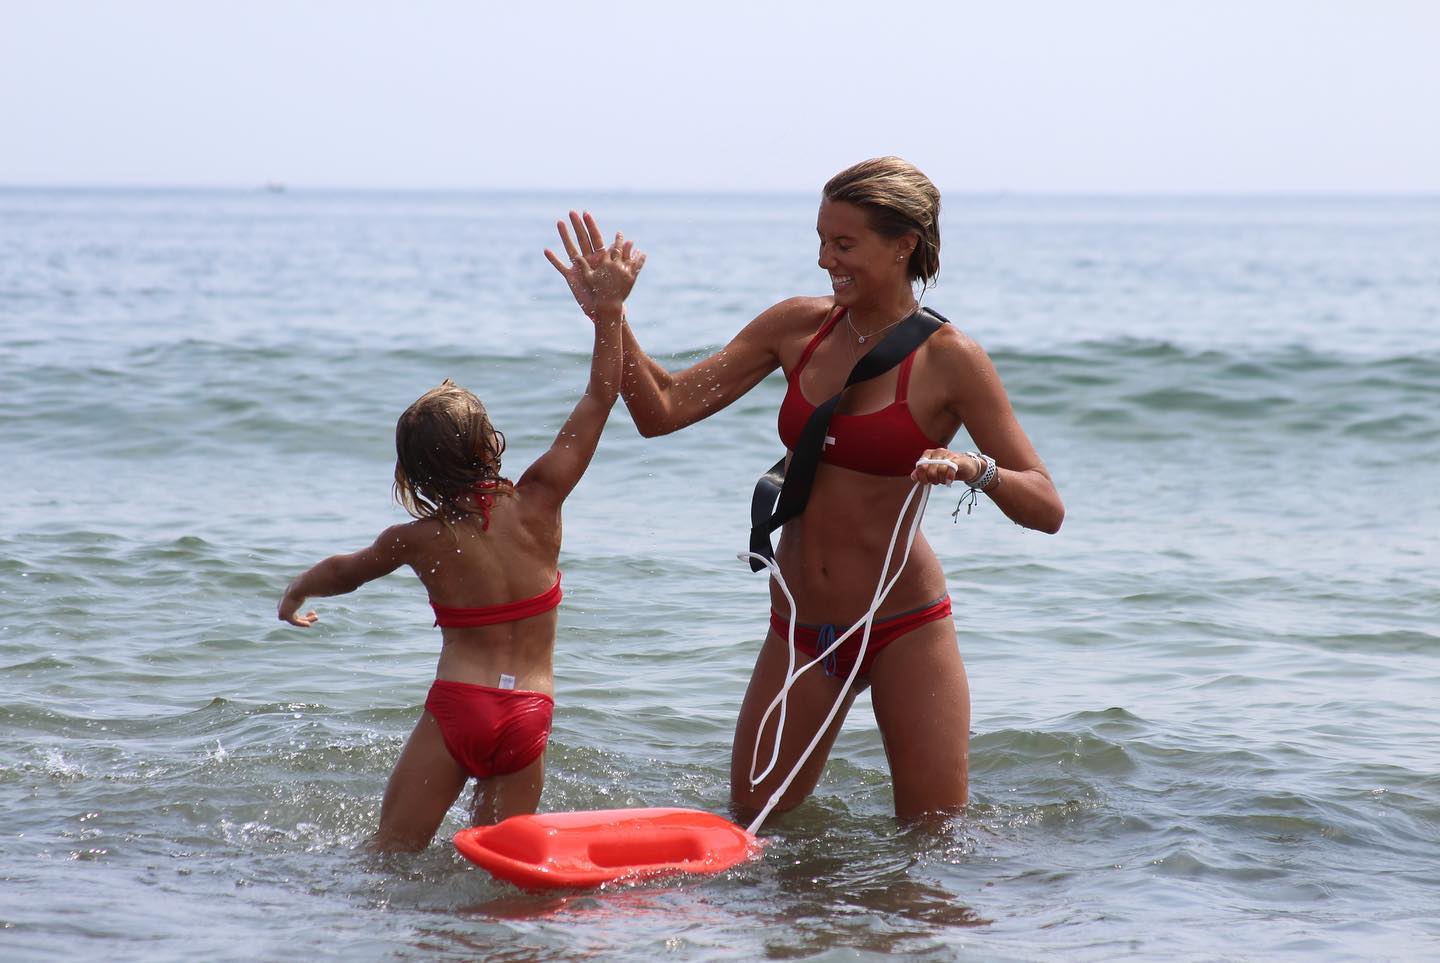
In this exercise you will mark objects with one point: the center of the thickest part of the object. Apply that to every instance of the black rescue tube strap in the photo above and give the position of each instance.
(789, 492)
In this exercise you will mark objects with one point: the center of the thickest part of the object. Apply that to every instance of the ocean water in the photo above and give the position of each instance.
(1206, 722)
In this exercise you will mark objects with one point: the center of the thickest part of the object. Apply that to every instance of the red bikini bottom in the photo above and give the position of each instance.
(491, 732)
(814, 639)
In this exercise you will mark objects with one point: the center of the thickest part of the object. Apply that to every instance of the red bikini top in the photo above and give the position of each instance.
(884, 442)
(495, 614)
(484, 493)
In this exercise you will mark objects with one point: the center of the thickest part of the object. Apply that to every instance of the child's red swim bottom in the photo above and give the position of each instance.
(814, 639)
(491, 732)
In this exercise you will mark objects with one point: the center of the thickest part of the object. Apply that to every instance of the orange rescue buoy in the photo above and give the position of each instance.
(575, 849)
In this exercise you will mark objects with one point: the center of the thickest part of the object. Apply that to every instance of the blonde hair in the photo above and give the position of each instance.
(899, 200)
(445, 446)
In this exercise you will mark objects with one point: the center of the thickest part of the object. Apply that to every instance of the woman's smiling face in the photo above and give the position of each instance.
(864, 266)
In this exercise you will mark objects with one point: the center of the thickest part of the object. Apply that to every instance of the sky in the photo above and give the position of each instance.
(1102, 96)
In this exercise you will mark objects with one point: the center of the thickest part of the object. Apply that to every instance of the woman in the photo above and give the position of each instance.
(879, 235)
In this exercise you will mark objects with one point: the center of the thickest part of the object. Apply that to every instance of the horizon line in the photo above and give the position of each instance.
(282, 187)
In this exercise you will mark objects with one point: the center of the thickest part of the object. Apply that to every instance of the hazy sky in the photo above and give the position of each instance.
(1065, 95)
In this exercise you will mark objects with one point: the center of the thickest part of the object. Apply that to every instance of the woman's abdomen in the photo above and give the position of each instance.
(831, 556)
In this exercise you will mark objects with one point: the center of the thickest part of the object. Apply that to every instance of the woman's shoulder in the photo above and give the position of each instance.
(788, 320)
(953, 346)
(955, 360)
(797, 313)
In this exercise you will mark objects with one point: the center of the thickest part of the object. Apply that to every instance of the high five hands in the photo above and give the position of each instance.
(600, 277)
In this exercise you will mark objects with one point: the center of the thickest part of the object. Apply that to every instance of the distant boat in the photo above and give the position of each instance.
(274, 187)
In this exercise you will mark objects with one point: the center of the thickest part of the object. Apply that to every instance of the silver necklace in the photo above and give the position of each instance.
(862, 338)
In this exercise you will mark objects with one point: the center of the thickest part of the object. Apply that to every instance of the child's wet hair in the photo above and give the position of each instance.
(444, 446)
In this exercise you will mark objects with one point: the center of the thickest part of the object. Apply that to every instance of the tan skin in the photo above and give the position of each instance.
(919, 690)
(462, 566)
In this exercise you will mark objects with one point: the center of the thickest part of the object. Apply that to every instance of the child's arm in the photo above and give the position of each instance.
(605, 277)
(339, 574)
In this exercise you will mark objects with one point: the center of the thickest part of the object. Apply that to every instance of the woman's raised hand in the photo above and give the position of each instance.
(598, 276)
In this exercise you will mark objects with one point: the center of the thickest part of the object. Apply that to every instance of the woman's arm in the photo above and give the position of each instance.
(1022, 487)
(607, 275)
(340, 574)
(661, 401)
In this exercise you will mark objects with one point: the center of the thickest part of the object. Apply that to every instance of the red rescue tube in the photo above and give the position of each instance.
(579, 849)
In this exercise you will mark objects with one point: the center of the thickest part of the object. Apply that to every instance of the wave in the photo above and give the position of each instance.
(1147, 390)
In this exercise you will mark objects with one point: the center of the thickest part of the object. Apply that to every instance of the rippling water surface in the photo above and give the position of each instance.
(1205, 715)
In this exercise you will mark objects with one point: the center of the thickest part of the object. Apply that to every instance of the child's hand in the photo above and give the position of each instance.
(289, 609)
(598, 276)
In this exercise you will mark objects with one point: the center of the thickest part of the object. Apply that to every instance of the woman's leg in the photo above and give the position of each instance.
(513, 794)
(810, 699)
(422, 788)
(922, 705)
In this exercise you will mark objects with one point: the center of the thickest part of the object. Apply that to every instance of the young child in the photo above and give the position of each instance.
(487, 552)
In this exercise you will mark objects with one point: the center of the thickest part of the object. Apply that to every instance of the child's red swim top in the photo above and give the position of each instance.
(884, 442)
(484, 493)
(495, 614)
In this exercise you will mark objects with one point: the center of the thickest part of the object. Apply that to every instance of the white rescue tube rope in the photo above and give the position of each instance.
(866, 623)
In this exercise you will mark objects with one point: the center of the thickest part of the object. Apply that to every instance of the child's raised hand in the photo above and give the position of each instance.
(289, 611)
(598, 276)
